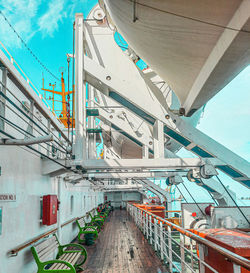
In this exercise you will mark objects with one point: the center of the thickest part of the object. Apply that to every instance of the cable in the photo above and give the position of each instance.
(193, 199)
(215, 201)
(181, 193)
(30, 51)
(189, 18)
(232, 199)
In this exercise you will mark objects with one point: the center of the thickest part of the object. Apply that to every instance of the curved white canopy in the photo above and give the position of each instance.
(194, 56)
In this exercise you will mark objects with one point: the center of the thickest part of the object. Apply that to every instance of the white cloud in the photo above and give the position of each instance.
(49, 21)
(22, 16)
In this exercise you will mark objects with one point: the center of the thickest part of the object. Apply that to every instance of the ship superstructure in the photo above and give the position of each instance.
(118, 132)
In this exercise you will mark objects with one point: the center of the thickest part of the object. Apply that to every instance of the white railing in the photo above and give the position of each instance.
(30, 83)
(168, 240)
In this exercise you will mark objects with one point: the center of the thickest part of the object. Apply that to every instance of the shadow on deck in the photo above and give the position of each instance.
(121, 247)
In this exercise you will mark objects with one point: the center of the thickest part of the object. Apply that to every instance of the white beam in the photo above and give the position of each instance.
(145, 152)
(159, 163)
(91, 124)
(132, 174)
(158, 139)
(52, 168)
(80, 91)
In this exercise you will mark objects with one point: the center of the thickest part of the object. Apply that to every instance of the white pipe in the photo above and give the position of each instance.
(59, 190)
(27, 141)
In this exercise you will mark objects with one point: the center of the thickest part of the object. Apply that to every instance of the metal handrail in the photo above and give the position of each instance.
(14, 252)
(237, 259)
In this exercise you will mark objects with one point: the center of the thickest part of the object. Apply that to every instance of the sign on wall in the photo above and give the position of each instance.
(8, 197)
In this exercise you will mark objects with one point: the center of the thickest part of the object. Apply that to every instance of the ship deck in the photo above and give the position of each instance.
(121, 247)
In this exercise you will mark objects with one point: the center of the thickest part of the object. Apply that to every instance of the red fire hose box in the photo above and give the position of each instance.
(50, 205)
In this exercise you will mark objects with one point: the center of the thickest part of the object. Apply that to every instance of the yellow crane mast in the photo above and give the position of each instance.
(65, 117)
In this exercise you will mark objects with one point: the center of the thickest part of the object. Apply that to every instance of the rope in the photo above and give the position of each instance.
(233, 199)
(193, 199)
(215, 201)
(181, 193)
(30, 51)
(189, 18)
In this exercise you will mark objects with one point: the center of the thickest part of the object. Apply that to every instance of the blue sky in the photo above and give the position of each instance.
(46, 26)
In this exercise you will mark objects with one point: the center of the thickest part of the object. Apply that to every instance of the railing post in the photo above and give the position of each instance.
(161, 240)
(182, 252)
(155, 233)
(48, 145)
(3, 101)
(141, 220)
(202, 255)
(150, 229)
(164, 231)
(170, 249)
(192, 254)
(236, 268)
(146, 225)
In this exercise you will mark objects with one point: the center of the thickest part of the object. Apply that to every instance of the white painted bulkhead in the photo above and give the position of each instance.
(120, 198)
(21, 175)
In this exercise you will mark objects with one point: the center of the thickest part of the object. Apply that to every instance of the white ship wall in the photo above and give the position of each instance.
(21, 175)
(119, 198)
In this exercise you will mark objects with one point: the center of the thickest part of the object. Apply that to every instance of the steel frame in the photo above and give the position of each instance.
(155, 111)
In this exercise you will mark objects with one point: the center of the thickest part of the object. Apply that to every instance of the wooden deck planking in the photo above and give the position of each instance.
(120, 248)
